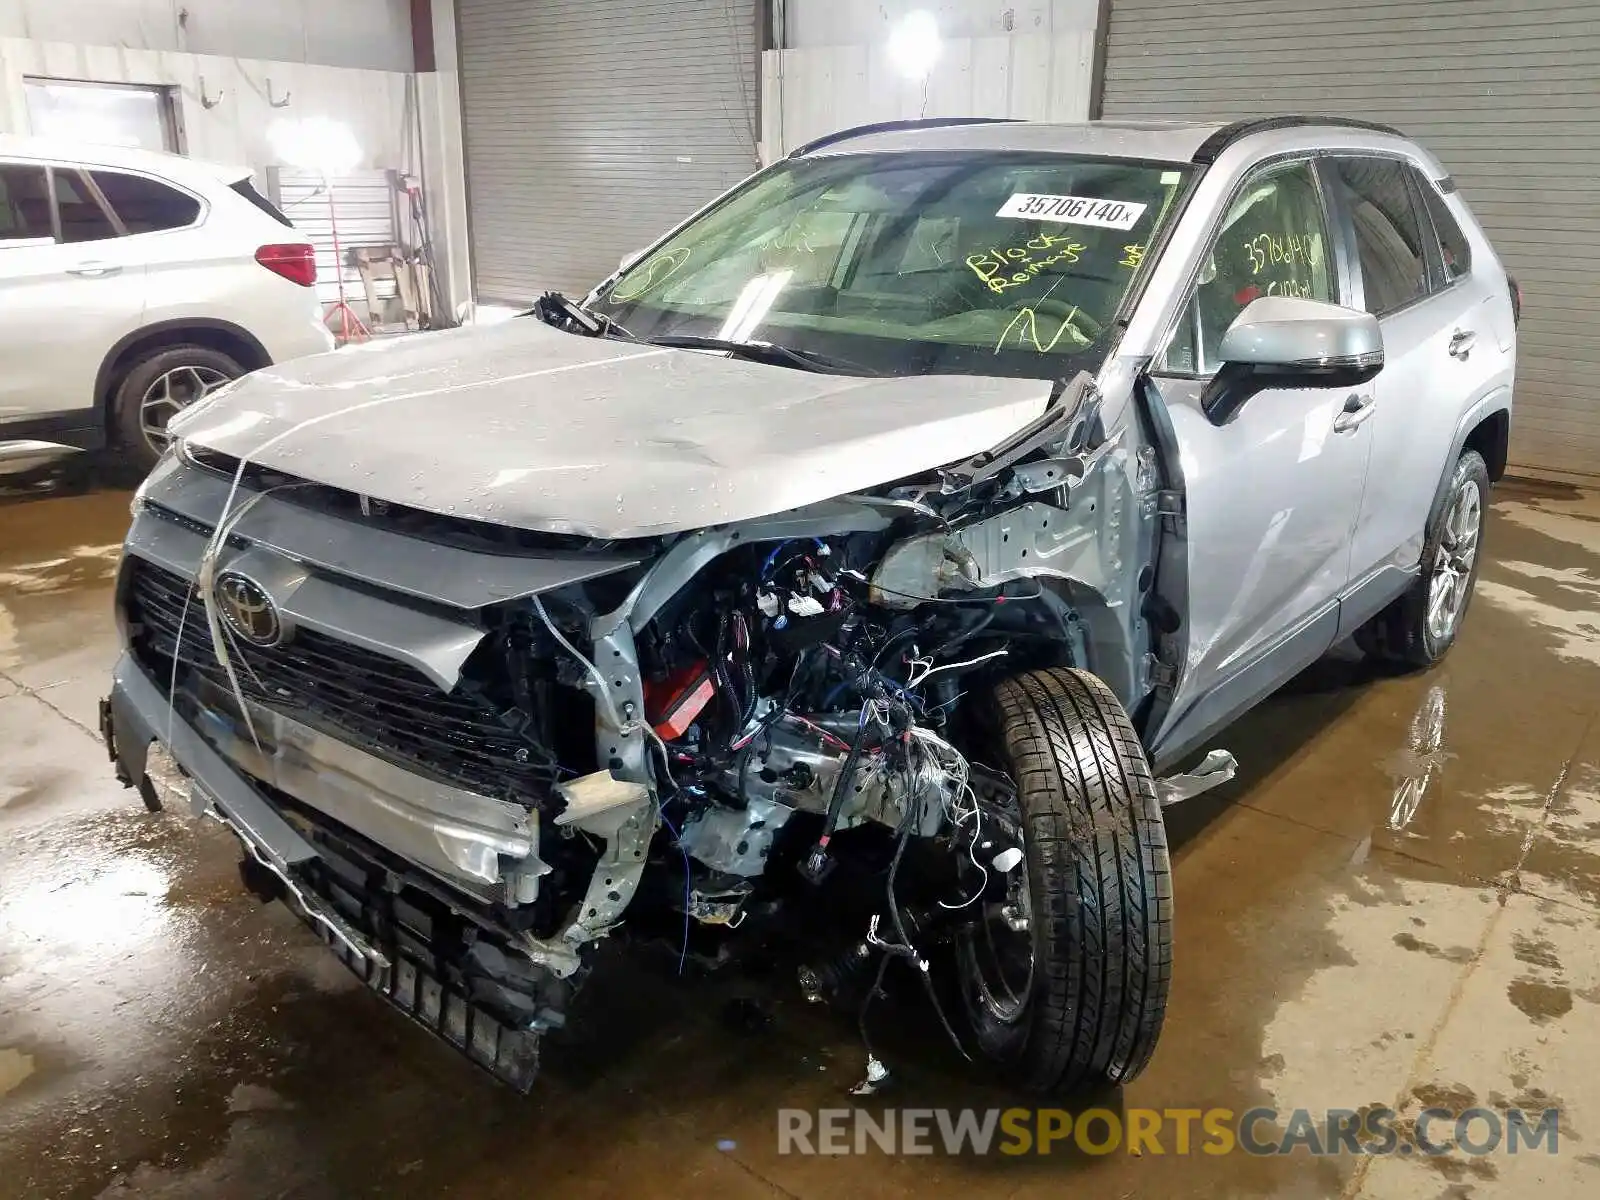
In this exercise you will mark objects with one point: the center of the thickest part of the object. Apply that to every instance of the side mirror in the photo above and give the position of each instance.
(1287, 342)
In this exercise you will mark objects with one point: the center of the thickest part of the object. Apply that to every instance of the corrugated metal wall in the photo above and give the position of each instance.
(591, 128)
(1506, 96)
(818, 89)
(365, 208)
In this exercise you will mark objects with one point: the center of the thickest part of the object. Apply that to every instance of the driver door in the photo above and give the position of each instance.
(1273, 493)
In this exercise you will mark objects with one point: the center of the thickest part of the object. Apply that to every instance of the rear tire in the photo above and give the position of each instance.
(158, 386)
(1098, 888)
(1419, 628)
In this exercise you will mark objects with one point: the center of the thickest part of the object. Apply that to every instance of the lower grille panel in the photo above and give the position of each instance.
(371, 701)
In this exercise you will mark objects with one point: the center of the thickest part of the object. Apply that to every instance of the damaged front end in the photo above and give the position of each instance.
(465, 754)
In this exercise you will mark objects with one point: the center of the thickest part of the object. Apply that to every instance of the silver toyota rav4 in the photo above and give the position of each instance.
(877, 543)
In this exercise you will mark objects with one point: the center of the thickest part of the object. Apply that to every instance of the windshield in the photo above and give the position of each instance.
(999, 264)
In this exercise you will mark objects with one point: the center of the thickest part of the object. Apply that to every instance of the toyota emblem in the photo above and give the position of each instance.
(248, 610)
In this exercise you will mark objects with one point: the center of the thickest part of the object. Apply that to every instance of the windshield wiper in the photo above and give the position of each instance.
(557, 310)
(765, 352)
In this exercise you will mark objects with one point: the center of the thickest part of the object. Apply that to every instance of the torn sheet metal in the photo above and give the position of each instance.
(735, 841)
(1215, 769)
(519, 424)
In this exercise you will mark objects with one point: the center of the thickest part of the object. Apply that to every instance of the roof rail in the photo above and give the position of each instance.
(844, 135)
(1228, 134)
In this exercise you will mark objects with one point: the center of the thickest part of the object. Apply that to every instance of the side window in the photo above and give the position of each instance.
(82, 218)
(1388, 228)
(144, 205)
(1454, 252)
(1273, 242)
(24, 203)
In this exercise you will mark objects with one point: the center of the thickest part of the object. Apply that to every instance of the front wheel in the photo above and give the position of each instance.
(1065, 980)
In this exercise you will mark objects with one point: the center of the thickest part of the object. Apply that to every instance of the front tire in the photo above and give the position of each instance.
(1086, 1006)
(156, 388)
(1418, 629)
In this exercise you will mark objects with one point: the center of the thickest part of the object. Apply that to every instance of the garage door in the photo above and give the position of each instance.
(590, 128)
(1504, 95)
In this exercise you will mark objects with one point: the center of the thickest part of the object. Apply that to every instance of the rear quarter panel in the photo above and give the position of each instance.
(209, 272)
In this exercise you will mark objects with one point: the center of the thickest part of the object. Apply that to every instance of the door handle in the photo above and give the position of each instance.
(96, 270)
(1357, 409)
(1461, 343)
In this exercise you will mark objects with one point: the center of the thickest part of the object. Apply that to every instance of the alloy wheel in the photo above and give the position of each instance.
(1454, 560)
(169, 395)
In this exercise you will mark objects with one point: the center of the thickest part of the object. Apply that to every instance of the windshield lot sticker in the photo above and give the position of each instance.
(1013, 266)
(1073, 210)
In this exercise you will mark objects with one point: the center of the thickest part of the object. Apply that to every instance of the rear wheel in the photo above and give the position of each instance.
(159, 386)
(1065, 978)
(1419, 628)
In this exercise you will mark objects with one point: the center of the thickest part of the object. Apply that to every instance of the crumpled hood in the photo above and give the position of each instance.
(523, 425)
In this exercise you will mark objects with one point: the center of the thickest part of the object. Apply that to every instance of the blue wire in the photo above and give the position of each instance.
(773, 557)
(661, 811)
(683, 954)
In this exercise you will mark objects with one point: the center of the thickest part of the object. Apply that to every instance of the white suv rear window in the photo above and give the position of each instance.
(144, 205)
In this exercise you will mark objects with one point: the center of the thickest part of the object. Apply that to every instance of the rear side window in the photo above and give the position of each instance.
(1454, 252)
(248, 190)
(24, 203)
(144, 205)
(82, 218)
(1388, 228)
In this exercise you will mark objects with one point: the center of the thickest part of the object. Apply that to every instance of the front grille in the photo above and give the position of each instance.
(375, 703)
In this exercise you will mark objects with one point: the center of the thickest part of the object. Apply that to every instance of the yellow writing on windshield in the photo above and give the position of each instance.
(1291, 287)
(651, 275)
(1268, 249)
(1132, 256)
(1013, 266)
(1026, 326)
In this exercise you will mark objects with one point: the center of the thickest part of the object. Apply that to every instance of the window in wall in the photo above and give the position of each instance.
(144, 205)
(1454, 252)
(24, 203)
(106, 114)
(1388, 227)
(1273, 242)
(82, 218)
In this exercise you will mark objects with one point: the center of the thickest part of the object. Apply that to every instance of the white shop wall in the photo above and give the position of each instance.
(1028, 60)
(234, 130)
(372, 34)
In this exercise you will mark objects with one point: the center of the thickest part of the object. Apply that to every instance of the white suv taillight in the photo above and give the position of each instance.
(296, 262)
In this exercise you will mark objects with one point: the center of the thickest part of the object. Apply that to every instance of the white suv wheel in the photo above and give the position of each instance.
(171, 393)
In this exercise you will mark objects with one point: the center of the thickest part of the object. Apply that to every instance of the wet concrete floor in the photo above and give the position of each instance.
(1396, 904)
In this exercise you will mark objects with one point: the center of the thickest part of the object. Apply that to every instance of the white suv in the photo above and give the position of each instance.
(131, 284)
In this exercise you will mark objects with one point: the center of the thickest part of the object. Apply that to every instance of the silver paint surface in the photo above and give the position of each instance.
(519, 424)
